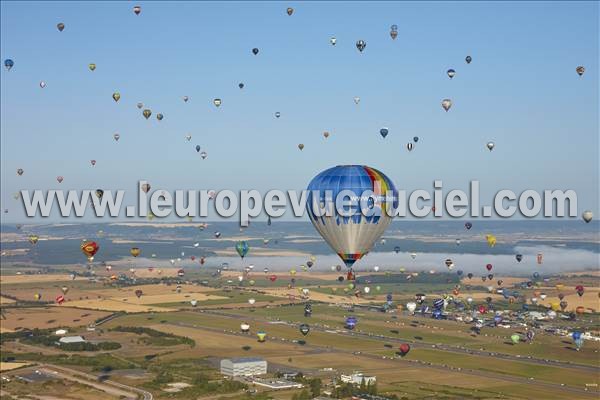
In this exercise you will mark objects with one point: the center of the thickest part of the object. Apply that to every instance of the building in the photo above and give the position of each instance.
(243, 366)
(358, 378)
(71, 339)
(61, 332)
(277, 384)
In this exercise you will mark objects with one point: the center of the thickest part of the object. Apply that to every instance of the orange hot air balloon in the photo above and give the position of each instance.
(89, 249)
(135, 251)
(580, 310)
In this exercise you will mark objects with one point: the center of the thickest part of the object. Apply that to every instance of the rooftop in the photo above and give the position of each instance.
(245, 359)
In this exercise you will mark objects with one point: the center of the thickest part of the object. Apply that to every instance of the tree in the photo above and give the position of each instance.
(315, 387)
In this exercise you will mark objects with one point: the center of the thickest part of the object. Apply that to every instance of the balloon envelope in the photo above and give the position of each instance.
(351, 234)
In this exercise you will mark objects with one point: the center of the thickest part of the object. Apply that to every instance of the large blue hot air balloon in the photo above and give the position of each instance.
(351, 232)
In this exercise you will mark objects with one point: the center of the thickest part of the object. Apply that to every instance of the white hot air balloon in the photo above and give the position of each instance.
(251, 301)
(587, 216)
(411, 306)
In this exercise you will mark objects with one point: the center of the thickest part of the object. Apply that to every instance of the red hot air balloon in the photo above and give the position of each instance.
(60, 299)
(482, 309)
(488, 267)
(579, 289)
(273, 278)
(404, 349)
(90, 249)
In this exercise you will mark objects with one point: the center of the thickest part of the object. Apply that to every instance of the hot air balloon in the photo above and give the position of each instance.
(404, 349)
(577, 339)
(333, 41)
(20, 171)
(262, 336)
(326, 134)
(290, 11)
(351, 322)
(185, 99)
(137, 10)
(147, 113)
(304, 329)
(242, 248)
(468, 59)
(245, 327)
(539, 258)
(255, 51)
(159, 116)
(587, 216)
(393, 33)
(241, 85)
(60, 299)
(8, 64)
(198, 148)
(135, 251)
(37, 296)
(409, 146)
(383, 132)
(360, 45)
(140, 105)
(301, 146)
(138, 293)
(59, 179)
(90, 249)
(217, 102)
(446, 104)
(277, 114)
(580, 70)
(411, 307)
(64, 289)
(92, 66)
(515, 338)
(491, 240)
(116, 96)
(580, 290)
(42, 84)
(60, 26)
(488, 267)
(116, 136)
(451, 73)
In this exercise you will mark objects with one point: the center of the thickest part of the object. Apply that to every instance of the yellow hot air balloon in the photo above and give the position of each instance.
(135, 251)
(555, 306)
(559, 286)
(491, 240)
(116, 96)
(92, 67)
(33, 239)
(261, 336)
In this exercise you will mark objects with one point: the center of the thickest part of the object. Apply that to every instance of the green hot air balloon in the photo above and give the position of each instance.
(242, 248)
(515, 338)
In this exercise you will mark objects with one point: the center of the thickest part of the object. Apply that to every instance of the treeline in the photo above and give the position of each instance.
(156, 338)
(46, 338)
(100, 362)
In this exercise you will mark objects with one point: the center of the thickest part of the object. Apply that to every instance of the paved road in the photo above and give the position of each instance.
(92, 380)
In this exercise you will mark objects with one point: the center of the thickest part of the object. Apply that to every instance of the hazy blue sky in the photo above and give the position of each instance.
(521, 91)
